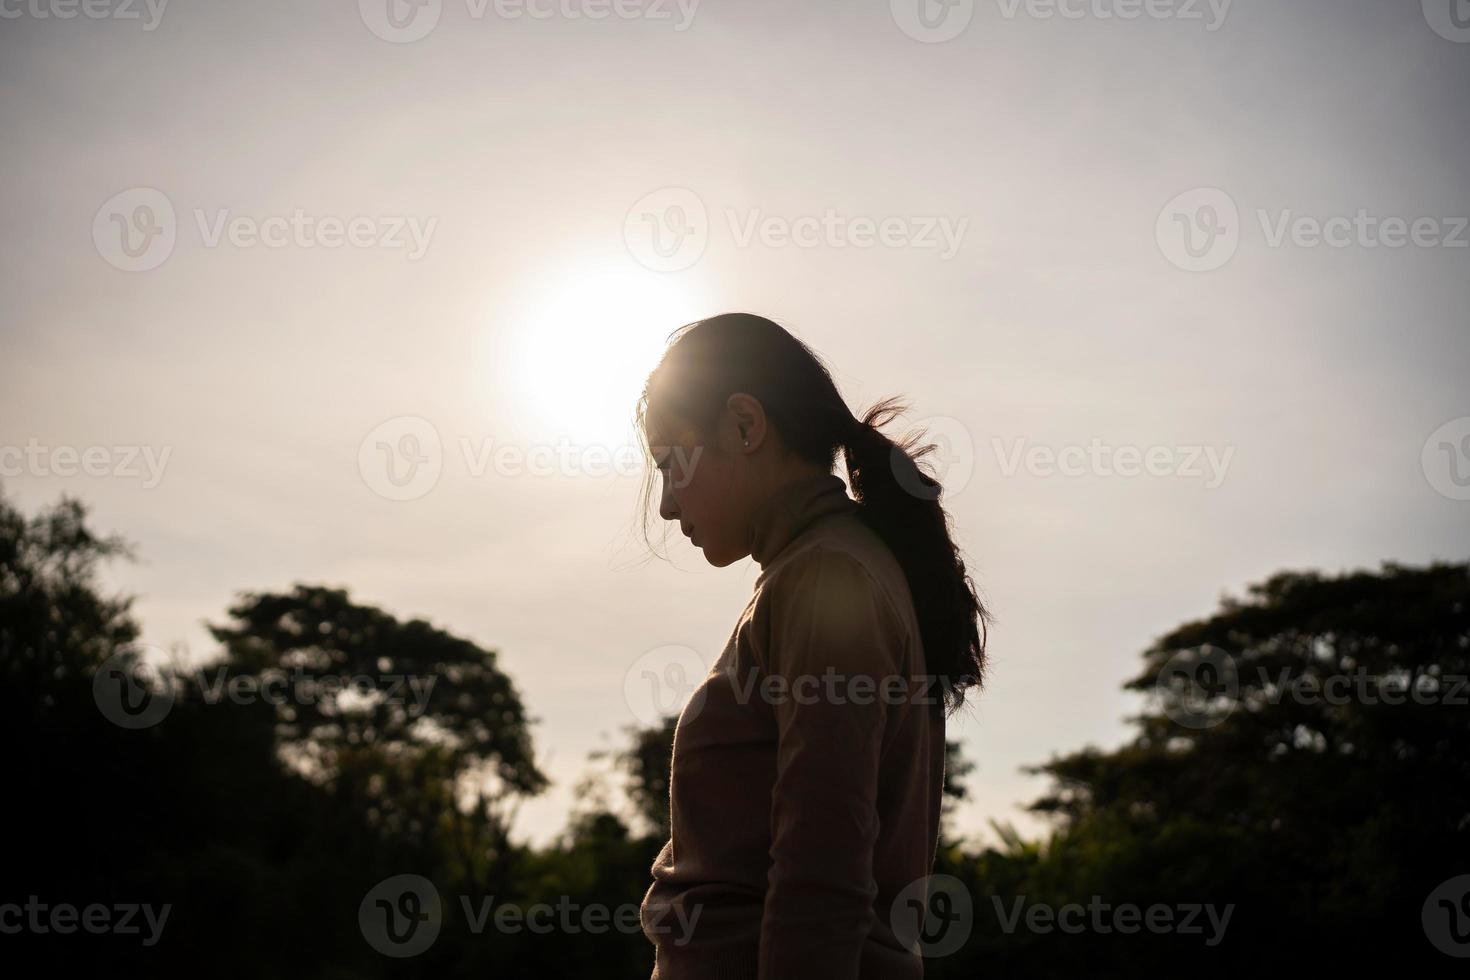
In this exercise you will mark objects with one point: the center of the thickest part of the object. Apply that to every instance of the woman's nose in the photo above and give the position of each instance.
(667, 509)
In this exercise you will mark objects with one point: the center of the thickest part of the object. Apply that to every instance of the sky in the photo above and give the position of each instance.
(363, 295)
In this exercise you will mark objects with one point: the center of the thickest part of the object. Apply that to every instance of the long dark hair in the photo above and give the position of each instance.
(709, 360)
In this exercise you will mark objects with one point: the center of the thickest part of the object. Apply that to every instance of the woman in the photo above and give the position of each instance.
(808, 765)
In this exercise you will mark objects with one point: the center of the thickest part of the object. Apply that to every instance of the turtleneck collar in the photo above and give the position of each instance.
(791, 509)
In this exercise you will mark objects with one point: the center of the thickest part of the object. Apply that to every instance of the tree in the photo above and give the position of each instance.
(196, 809)
(1306, 756)
(193, 812)
(419, 728)
(55, 625)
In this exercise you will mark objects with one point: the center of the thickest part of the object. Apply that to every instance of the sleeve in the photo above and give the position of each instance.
(832, 638)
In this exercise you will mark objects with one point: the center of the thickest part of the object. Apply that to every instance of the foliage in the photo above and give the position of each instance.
(1274, 770)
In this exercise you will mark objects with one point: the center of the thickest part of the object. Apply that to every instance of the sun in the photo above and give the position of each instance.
(576, 360)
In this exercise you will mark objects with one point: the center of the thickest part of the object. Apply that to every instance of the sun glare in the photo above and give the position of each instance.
(583, 350)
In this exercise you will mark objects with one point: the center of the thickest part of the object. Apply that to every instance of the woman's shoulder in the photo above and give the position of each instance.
(839, 569)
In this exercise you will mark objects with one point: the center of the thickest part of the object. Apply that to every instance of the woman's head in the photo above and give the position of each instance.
(737, 407)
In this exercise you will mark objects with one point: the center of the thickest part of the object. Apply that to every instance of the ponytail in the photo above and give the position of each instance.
(900, 503)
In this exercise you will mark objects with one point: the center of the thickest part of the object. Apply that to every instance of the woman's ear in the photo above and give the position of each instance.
(749, 418)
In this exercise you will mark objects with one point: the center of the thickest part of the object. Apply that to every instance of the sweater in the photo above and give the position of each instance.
(808, 766)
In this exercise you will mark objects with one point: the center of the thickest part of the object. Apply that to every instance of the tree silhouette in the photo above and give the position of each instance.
(418, 729)
(1306, 757)
(1303, 756)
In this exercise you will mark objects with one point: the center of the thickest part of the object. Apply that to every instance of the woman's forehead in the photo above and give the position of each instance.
(663, 429)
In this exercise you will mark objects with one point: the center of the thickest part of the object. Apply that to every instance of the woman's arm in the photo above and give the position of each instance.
(828, 626)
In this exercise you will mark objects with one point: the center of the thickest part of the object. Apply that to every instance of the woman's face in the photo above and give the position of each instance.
(704, 485)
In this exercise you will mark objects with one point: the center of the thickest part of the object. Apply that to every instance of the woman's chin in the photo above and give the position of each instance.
(721, 559)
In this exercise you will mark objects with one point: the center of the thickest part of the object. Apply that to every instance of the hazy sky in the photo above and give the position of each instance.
(1054, 234)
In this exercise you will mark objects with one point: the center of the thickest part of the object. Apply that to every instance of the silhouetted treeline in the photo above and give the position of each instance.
(1300, 780)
